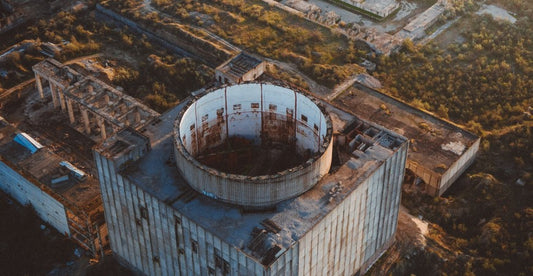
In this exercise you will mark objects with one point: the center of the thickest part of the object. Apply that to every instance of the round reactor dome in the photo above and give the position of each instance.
(253, 144)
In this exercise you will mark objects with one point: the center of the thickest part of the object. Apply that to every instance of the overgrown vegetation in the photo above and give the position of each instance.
(483, 226)
(253, 25)
(146, 71)
(486, 80)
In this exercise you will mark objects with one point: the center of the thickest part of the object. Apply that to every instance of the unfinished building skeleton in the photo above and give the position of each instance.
(63, 195)
(90, 99)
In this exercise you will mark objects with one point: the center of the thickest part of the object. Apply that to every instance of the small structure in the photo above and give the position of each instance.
(28, 142)
(77, 173)
(378, 9)
(417, 27)
(241, 68)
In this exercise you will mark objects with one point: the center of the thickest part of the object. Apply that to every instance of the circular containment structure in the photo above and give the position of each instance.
(253, 144)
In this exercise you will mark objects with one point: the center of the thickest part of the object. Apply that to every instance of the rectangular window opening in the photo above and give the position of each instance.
(144, 212)
(290, 112)
(194, 246)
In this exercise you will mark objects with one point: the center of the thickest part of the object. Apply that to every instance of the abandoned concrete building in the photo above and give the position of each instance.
(244, 179)
(61, 194)
(439, 151)
(93, 106)
(252, 179)
(378, 8)
(241, 68)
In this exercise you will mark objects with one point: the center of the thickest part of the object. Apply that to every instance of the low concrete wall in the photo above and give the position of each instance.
(25, 192)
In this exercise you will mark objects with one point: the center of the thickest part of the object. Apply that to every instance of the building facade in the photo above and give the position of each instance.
(159, 225)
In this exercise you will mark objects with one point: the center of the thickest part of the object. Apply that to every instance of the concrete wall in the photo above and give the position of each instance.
(160, 242)
(254, 111)
(260, 191)
(243, 110)
(351, 237)
(437, 184)
(25, 192)
(430, 177)
(459, 167)
(254, 73)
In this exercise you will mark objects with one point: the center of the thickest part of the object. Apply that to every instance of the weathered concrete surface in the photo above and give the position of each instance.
(162, 227)
(264, 114)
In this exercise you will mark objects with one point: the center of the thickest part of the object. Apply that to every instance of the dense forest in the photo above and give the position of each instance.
(484, 80)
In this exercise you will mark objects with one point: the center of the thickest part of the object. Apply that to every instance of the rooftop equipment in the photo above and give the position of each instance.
(28, 142)
(77, 173)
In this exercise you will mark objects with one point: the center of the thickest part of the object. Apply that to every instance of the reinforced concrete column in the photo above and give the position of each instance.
(70, 111)
(39, 85)
(101, 124)
(137, 115)
(61, 98)
(54, 96)
(86, 122)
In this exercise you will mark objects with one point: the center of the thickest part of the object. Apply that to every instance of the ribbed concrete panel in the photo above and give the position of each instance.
(358, 229)
(25, 192)
(255, 112)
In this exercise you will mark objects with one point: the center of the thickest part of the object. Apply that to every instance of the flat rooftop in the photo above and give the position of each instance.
(239, 65)
(42, 167)
(433, 142)
(156, 174)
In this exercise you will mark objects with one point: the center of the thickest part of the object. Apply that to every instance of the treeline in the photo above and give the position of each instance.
(482, 226)
(486, 80)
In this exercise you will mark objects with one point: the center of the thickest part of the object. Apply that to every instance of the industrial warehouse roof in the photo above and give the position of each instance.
(434, 143)
(41, 167)
(156, 174)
